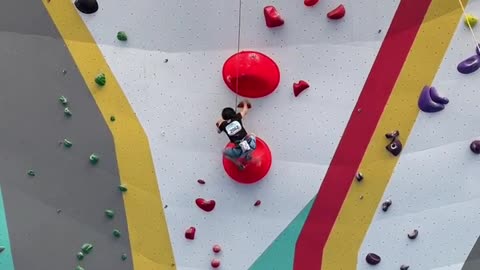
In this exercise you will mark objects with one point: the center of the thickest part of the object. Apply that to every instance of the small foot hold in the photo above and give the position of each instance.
(337, 13)
(413, 234)
(201, 181)
(67, 112)
(373, 259)
(94, 159)
(67, 143)
(404, 267)
(205, 205)
(123, 188)
(299, 87)
(122, 36)
(116, 233)
(386, 204)
(80, 256)
(216, 248)
(257, 203)
(101, 80)
(215, 263)
(475, 147)
(31, 173)
(470, 20)
(112, 118)
(272, 17)
(63, 100)
(87, 248)
(2, 249)
(109, 213)
(359, 176)
(190, 233)
(124, 257)
(395, 147)
(392, 135)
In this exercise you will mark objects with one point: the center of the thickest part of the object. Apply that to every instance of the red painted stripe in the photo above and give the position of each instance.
(357, 135)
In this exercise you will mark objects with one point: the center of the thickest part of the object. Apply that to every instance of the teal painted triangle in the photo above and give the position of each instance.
(279, 255)
(6, 260)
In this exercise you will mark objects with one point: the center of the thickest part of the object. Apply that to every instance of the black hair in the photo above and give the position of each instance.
(228, 113)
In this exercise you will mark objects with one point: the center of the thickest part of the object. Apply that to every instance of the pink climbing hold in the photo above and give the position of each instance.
(251, 74)
(272, 17)
(216, 248)
(205, 205)
(190, 233)
(257, 203)
(299, 87)
(215, 263)
(336, 13)
(310, 3)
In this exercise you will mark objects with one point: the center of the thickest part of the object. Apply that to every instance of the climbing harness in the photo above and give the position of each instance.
(238, 51)
(244, 146)
(469, 25)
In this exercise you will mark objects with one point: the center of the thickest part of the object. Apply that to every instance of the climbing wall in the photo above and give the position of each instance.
(110, 134)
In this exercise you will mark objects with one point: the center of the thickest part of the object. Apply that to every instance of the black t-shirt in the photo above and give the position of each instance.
(234, 128)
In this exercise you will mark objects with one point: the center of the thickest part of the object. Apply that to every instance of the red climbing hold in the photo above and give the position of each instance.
(337, 13)
(255, 74)
(257, 203)
(205, 205)
(201, 181)
(215, 263)
(216, 248)
(299, 87)
(272, 17)
(310, 3)
(255, 169)
(190, 233)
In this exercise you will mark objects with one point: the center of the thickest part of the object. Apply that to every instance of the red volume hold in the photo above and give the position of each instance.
(272, 17)
(299, 87)
(337, 13)
(310, 3)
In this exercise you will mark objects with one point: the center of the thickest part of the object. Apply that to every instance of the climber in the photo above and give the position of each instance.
(244, 143)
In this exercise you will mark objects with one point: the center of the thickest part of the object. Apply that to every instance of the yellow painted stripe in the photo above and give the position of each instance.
(147, 227)
(400, 114)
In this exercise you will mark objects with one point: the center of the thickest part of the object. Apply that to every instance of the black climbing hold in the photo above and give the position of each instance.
(93, 158)
(64, 72)
(2, 248)
(112, 118)
(67, 143)
(393, 134)
(31, 173)
(80, 256)
(404, 267)
(165, 207)
(379, 31)
(165, 61)
(413, 234)
(395, 147)
(87, 6)
(122, 36)
(475, 147)
(116, 233)
(386, 204)
(101, 79)
(59, 211)
(87, 248)
(373, 259)
(359, 176)
(122, 188)
(109, 213)
(124, 257)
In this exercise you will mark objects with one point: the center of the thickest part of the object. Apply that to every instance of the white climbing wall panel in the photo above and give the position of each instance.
(435, 187)
(179, 101)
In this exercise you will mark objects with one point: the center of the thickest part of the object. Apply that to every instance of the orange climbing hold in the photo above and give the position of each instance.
(251, 74)
(272, 17)
(337, 13)
(255, 169)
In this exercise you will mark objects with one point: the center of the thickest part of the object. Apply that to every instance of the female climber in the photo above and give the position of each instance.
(244, 143)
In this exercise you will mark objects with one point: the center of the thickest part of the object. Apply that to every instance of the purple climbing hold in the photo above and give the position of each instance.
(373, 259)
(475, 147)
(430, 100)
(469, 65)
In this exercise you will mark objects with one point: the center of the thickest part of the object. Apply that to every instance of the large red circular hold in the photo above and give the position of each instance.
(254, 171)
(256, 74)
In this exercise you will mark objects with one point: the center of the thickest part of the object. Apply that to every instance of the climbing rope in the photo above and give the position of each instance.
(238, 51)
(469, 26)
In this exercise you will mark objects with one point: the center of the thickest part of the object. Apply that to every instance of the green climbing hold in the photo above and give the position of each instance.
(100, 79)
(67, 112)
(112, 118)
(124, 257)
(123, 188)
(94, 158)
(86, 248)
(67, 143)
(109, 213)
(122, 36)
(116, 233)
(2, 248)
(63, 100)
(80, 256)
(31, 172)
(79, 268)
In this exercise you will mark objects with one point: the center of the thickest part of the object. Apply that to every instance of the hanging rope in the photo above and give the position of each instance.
(469, 26)
(238, 51)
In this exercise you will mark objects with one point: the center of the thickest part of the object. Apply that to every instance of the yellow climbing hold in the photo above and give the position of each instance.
(470, 20)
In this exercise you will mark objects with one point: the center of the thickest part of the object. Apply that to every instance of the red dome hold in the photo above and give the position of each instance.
(253, 172)
(256, 74)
